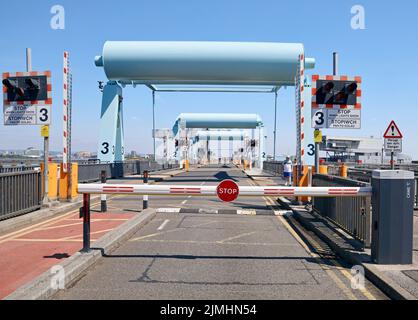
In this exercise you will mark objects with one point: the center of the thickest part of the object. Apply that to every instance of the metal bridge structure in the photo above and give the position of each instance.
(186, 121)
(205, 140)
(197, 67)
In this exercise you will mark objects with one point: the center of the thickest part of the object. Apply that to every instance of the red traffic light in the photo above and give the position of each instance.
(352, 87)
(32, 83)
(329, 86)
(12, 88)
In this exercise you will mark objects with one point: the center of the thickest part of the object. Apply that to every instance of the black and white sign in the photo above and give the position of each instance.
(336, 118)
(394, 145)
(344, 119)
(15, 115)
(319, 118)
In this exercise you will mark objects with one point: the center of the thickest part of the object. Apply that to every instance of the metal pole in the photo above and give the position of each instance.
(145, 197)
(28, 59)
(103, 198)
(317, 157)
(86, 222)
(392, 162)
(45, 199)
(335, 63)
(153, 121)
(275, 125)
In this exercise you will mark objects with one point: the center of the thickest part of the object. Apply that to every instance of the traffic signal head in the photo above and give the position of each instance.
(12, 88)
(176, 143)
(26, 88)
(336, 92)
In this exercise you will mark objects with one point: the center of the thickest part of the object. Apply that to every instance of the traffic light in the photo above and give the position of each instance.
(337, 92)
(26, 88)
(12, 88)
(253, 143)
(176, 143)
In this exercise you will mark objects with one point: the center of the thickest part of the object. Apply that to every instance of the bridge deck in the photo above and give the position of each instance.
(215, 256)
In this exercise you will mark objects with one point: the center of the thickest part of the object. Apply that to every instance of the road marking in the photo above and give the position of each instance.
(161, 227)
(219, 243)
(61, 226)
(247, 212)
(317, 258)
(80, 235)
(340, 268)
(237, 237)
(168, 210)
(51, 240)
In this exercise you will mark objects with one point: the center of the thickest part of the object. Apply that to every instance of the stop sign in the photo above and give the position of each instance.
(227, 191)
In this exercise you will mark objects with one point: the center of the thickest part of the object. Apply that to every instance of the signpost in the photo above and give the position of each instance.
(393, 141)
(227, 191)
(27, 100)
(336, 102)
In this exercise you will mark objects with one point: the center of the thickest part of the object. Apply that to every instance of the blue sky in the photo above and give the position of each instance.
(384, 54)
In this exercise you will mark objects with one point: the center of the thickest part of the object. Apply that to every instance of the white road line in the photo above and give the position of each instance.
(168, 210)
(163, 224)
(185, 201)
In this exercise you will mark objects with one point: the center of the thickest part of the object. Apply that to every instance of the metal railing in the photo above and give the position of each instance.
(90, 172)
(352, 214)
(273, 167)
(20, 187)
(20, 193)
(365, 175)
(8, 169)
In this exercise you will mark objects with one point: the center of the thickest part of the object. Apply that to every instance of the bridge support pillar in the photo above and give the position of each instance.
(393, 213)
(111, 147)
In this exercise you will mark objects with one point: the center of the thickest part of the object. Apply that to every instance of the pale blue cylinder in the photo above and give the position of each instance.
(220, 63)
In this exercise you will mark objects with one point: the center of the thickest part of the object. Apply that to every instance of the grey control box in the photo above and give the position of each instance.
(392, 217)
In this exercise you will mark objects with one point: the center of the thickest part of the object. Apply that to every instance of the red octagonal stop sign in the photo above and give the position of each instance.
(227, 191)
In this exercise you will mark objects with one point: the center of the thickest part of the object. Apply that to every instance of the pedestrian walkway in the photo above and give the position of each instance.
(29, 251)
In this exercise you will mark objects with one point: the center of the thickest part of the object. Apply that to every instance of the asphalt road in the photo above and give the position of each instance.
(217, 256)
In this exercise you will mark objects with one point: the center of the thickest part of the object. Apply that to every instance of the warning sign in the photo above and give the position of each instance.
(393, 145)
(336, 118)
(393, 132)
(344, 119)
(26, 115)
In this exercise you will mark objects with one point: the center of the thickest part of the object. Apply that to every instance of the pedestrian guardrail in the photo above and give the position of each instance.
(20, 193)
(90, 172)
(352, 214)
(273, 167)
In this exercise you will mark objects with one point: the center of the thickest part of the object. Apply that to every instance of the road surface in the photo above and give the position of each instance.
(218, 256)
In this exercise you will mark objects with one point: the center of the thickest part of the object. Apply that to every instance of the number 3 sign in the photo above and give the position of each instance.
(319, 118)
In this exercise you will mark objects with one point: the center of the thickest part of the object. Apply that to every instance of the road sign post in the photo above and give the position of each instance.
(393, 141)
(227, 191)
(27, 100)
(317, 140)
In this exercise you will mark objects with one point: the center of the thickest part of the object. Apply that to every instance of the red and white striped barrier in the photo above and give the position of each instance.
(65, 113)
(246, 191)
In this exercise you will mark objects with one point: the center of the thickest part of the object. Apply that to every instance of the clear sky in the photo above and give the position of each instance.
(384, 54)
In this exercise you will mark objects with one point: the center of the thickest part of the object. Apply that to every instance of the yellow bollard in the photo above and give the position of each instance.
(63, 192)
(344, 171)
(323, 170)
(186, 165)
(52, 180)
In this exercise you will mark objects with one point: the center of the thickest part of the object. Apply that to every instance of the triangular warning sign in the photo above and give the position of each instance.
(393, 132)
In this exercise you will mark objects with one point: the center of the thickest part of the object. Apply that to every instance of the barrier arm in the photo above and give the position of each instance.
(245, 191)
